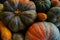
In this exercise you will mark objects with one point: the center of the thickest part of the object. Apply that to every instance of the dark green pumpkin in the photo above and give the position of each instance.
(18, 15)
(17, 37)
(42, 5)
(54, 15)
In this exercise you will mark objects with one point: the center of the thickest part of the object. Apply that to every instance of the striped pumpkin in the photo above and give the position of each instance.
(17, 15)
(42, 31)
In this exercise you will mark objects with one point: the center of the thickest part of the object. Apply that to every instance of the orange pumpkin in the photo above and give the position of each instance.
(55, 2)
(42, 16)
(42, 31)
(5, 33)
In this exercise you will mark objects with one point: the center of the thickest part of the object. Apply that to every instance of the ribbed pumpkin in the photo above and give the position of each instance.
(42, 5)
(54, 15)
(17, 36)
(5, 32)
(18, 15)
(42, 31)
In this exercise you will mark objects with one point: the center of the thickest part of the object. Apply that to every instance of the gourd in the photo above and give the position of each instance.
(17, 37)
(42, 31)
(54, 16)
(17, 15)
(5, 32)
(55, 3)
(42, 5)
(42, 16)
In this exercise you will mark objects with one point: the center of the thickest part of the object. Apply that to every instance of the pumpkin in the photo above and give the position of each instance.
(55, 2)
(42, 16)
(17, 37)
(1, 7)
(42, 31)
(42, 5)
(5, 32)
(18, 15)
(54, 15)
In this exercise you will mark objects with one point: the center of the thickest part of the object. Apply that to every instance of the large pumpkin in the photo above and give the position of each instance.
(42, 31)
(18, 15)
(42, 5)
(5, 32)
(54, 15)
(17, 37)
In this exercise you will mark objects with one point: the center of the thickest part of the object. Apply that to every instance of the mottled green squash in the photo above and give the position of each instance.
(42, 5)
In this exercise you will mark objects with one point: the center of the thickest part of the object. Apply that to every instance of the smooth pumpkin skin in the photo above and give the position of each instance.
(55, 3)
(18, 15)
(17, 36)
(42, 31)
(42, 5)
(5, 32)
(54, 15)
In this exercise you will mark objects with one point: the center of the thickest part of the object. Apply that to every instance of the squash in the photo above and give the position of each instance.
(1, 7)
(54, 15)
(42, 31)
(17, 37)
(5, 32)
(42, 16)
(55, 3)
(18, 15)
(42, 5)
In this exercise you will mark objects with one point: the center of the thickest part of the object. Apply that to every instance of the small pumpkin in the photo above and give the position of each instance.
(5, 32)
(42, 16)
(54, 15)
(18, 15)
(55, 2)
(17, 37)
(42, 31)
(42, 5)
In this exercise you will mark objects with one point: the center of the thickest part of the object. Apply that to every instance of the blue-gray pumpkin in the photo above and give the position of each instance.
(42, 5)
(18, 15)
(54, 15)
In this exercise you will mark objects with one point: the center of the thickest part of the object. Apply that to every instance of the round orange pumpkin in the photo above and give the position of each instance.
(5, 33)
(55, 2)
(42, 16)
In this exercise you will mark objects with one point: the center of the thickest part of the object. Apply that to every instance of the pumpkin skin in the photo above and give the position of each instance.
(42, 31)
(54, 15)
(5, 32)
(55, 3)
(42, 5)
(42, 16)
(17, 37)
(18, 15)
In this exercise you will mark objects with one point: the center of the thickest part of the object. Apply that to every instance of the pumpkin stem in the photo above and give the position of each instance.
(17, 12)
(58, 18)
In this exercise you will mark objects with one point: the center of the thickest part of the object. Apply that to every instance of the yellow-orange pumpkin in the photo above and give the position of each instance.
(42, 16)
(5, 33)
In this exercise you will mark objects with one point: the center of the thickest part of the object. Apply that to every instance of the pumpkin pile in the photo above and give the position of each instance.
(29, 20)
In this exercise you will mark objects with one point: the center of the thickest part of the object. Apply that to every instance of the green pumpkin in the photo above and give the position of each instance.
(18, 15)
(17, 37)
(42, 5)
(54, 15)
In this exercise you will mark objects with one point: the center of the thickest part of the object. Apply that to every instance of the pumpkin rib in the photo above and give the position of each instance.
(43, 30)
(35, 32)
(8, 5)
